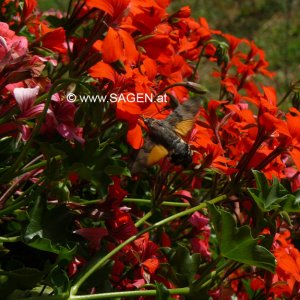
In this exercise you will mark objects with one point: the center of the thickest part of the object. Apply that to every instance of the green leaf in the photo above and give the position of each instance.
(45, 244)
(60, 281)
(237, 243)
(292, 203)
(117, 170)
(162, 291)
(22, 279)
(248, 288)
(34, 227)
(49, 230)
(267, 197)
(184, 264)
(60, 191)
(53, 224)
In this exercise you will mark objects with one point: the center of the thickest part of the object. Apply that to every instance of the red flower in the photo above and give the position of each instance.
(285, 282)
(52, 38)
(29, 7)
(120, 225)
(115, 8)
(93, 236)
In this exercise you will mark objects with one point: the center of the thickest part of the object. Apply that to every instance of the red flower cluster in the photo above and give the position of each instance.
(285, 283)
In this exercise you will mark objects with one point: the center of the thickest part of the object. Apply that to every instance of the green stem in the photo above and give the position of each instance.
(69, 8)
(212, 41)
(129, 294)
(19, 201)
(56, 297)
(138, 201)
(38, 165)
(285, 96)
(12, 239)
(113, 295)
(142, 220)
(188, 85)
(83, 277)
(209, 278)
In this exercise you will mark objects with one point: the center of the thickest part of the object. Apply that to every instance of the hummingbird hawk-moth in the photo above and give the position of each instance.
(166, 138)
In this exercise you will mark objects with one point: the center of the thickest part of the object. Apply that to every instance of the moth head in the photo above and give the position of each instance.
(147, 123)
(153, 124)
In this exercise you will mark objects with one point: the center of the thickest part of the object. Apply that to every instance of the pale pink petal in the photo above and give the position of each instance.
(3, 45)
(25, 132)
(139, 283)
(32, 112)
(10, 87)
(25, 97)
(20, 45)
(55, 97)
(69, 133)
(50, 59)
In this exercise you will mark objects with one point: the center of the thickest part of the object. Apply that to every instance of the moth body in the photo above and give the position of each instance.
(162, 133)
(165, 138)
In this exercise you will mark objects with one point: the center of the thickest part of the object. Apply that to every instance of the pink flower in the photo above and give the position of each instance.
(16, 64)
(25, 98)
(10, 43)
(64, 113)
(60, 118)
(198, 220)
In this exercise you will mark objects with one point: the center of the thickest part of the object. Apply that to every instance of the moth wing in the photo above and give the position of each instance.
(157, 153)
(184, 127)
(148, 155)
(182, 118)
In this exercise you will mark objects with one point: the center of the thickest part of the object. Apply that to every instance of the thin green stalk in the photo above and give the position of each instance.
(83, 277)
(129, 294)
(187, 85)
(142, 220)
(38, 165)
(56, 297)
(138, 201)
(19, 201)
(11, 239)
(208, 279)
(199, 58)
(8, 116)
(113, 295)
(69, 8)
(285, 97)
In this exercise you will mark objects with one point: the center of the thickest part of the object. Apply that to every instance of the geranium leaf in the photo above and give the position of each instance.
(60, 281)
(267, 197)
(185, 264)
(292, 203)
(237, 243)
(34, 227)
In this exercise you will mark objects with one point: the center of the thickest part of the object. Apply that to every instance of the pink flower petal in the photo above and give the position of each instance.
(25, 97)
(32, 112)
(69, 133)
